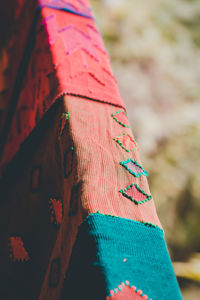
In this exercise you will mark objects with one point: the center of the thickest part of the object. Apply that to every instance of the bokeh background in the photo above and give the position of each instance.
(155, 54)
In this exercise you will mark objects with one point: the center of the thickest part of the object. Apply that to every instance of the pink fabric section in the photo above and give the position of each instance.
(98, 163)
(127, 142)
(80, 59)
(135, 194)
(125, 292)
(121, 117)
(68, 58)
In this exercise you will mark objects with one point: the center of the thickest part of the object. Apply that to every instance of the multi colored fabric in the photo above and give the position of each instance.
(64, 54)
(80, 7)
(77, 217)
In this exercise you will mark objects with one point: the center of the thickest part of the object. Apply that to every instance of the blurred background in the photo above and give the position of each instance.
(155, 55)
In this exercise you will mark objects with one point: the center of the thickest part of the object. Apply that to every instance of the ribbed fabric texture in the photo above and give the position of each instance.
(116, 250)
(68, 152)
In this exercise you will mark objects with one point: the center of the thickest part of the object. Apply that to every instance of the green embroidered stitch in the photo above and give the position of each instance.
(120, 288)
(149, 224)
(65, 116)
(140, 223)
(114, 117)
(123, 192)
(121, 144)
(124, 164)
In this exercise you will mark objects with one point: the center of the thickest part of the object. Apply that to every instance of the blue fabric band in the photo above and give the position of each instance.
(110, 250)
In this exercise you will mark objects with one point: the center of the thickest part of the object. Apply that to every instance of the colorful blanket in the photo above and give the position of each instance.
(78, 220)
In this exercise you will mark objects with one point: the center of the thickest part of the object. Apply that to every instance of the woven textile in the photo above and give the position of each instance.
(78, 220)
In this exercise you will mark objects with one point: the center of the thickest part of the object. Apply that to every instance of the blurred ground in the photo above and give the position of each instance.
(155, 54)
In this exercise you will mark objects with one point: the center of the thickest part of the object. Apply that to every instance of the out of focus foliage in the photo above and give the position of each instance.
(155, 54)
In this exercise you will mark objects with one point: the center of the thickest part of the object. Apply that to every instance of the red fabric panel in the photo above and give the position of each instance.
(16, 18)
(68, 58)
(125, 292)
(79, 56)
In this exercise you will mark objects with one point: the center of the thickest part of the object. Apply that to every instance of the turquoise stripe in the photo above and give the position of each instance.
(67, 9)
(110, 250)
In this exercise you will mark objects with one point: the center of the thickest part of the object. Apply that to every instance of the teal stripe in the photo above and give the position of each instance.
(67, 9)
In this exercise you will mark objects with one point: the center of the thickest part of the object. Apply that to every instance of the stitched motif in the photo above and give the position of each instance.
(126, 142)
(121, 118)
(64, 118)
(36, 176)
(68, 161)
(133, 167)
(80, 66)
(54, 275)
(78, 40)
(135, 194)
(125, 291)
(17, 249)
(53, 28)
(140, 223)
(56, 211)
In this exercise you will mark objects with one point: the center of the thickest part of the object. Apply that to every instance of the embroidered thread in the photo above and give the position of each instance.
(126, 142)
(109, 74)
(17, 249)
(139, 222)
(95, 78)
(78, 41)
(127, 291)
(135, 194)
(134, 168)
(121, 118)
(149, 224)
(63, 120)
(56, 211)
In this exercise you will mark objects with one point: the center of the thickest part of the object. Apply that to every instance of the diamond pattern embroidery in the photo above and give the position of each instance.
(56, 210)
(133, 167)
(17, 249)
(78, 40)
(126, 142)
(124, 291)
(135, 194)
(121, 118)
